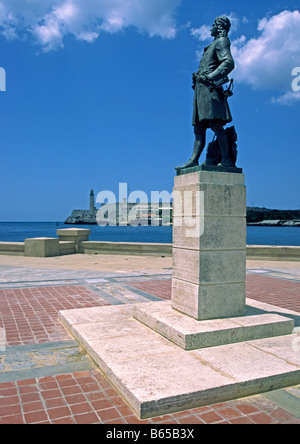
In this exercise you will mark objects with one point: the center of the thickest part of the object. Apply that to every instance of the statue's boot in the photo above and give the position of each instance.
(227, 163)
(225, 150)
(194, 159)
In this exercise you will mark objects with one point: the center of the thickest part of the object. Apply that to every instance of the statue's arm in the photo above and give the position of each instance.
(225, 58)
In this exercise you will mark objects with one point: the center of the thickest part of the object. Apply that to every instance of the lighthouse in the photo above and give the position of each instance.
(92, 201)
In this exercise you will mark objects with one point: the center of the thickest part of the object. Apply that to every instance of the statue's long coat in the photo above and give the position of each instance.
(216, 63)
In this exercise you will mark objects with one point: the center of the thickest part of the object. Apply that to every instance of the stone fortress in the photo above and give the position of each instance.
(123, 213)
(84, 217)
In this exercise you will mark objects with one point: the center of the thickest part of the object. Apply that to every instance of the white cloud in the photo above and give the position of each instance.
(203, 33)
(288, 98)
(266, 62)
(47, 22)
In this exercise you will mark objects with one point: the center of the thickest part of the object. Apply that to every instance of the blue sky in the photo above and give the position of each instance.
(99, 92)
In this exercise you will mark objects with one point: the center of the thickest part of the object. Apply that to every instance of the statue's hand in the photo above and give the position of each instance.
(202, 79)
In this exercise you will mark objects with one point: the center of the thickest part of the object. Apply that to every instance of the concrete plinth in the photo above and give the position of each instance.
(73, 234)
(190, 334)
(209, 245)
(76, 235)
(42, 247)
(156, 376)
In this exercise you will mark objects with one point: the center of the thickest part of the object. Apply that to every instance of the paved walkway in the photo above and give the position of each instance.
(46, 378)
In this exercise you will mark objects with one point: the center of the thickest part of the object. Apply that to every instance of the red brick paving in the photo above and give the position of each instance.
(88, 398)
(29, 315)
(159, 288)
(281, 292)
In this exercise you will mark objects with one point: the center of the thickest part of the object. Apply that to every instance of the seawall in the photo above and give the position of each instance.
(75, 240)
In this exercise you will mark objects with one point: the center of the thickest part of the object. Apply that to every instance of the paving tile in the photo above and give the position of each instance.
(32, 406)
(83, 407)
(86, 418)
(244, 408)
(262, 418)
(242, 420)
(190, 419)
(13, 419)
(210, 417)
(228, 412)
(10, 410)
(55, 402)
(35, 417)
(59, 412)
(107, 414)
(9, 400)
(64, 421)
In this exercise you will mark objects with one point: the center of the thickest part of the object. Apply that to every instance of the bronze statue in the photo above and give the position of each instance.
(211, 108)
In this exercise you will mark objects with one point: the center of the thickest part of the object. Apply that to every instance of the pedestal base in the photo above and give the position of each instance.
(218, 169)
(156, 376)
(190, 334)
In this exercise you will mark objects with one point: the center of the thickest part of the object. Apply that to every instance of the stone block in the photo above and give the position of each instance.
(42, 247)
(208, 301)
(209, 266)
(190, 334)
(210, 200)
(76, 235)
(73, 234)
(209, 177)
(220, 233)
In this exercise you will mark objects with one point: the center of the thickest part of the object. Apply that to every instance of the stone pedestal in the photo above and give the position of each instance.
(209, 245)
(74, 234)
(202, 347)
(42, 247)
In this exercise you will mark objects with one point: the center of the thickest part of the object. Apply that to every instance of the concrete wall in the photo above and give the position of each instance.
(270, 253)
(18, 249)
(66, 248)
(12, 248)
(136, 249)
(254, 252)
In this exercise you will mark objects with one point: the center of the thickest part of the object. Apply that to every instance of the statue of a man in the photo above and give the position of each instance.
(211, 108)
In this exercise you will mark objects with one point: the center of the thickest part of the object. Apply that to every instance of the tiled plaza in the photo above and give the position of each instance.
(46, 378)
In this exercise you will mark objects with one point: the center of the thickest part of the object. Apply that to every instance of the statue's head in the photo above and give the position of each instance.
(221, 27)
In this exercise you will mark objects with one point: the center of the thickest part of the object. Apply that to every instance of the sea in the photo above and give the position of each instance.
(19, 231)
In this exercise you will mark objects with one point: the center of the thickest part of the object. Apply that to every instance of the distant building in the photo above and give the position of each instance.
(84, 217)
(127, 213)
(123, 213)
